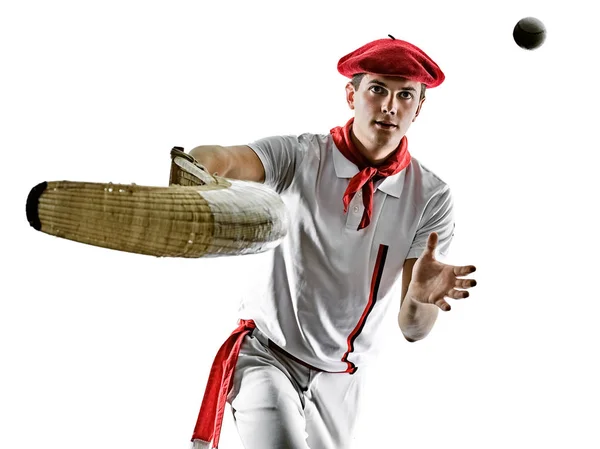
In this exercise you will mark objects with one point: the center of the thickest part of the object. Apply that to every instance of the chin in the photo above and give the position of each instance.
(389, 143)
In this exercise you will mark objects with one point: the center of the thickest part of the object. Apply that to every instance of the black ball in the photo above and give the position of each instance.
(529, 33)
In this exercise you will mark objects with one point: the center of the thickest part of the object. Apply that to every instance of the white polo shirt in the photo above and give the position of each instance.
(330, 284)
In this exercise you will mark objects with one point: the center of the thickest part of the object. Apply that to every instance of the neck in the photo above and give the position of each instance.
(376, 155)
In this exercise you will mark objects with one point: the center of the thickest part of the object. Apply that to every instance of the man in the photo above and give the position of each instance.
(366, 217)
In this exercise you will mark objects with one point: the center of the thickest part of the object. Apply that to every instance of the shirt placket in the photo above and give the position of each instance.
(356, 209)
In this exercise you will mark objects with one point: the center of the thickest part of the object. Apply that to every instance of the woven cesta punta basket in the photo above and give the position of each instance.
(197, 215)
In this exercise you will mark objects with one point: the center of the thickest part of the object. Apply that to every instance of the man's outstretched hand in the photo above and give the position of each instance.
(432, 281)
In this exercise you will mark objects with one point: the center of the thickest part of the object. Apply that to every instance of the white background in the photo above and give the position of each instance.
(104, 349)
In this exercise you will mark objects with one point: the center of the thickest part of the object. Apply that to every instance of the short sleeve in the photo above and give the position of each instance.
(280, 156)
(438, 217)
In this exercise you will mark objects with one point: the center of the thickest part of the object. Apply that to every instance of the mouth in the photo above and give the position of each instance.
(385, 125)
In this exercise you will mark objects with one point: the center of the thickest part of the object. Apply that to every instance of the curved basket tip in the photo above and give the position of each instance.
(32, 205)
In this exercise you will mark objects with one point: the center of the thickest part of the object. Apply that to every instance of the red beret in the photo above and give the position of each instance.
(392, 57)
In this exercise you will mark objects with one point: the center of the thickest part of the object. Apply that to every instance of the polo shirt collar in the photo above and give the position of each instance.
(392, 185)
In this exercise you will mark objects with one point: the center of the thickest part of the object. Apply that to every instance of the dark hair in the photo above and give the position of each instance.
(356, 79)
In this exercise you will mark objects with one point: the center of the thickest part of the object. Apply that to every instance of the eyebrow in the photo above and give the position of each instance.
(381, 83)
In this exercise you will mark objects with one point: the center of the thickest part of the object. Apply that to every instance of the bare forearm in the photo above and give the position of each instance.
(214, 158)
(234, 162)
(416, 319)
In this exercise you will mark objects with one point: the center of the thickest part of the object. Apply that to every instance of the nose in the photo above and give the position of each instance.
(389, 106)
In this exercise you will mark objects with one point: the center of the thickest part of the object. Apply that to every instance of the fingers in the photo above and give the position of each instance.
(454, 293)
(443, 305)
(457, 294)
(465, 270)
(465, 283)
(432, 242)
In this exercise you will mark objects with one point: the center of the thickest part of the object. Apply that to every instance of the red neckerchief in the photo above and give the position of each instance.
(220, 380)
(368, 174)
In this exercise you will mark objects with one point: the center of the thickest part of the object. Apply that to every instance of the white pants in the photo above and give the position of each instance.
(278, 403)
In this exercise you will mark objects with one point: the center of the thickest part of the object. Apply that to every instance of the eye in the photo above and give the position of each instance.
(377, 89)
(406, 95)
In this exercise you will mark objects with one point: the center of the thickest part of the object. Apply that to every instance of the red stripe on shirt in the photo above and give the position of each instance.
(375, 281)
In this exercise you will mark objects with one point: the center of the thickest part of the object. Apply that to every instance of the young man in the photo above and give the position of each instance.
(366, 217)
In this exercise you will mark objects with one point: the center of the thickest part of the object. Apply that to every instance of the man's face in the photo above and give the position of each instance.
(385, 107)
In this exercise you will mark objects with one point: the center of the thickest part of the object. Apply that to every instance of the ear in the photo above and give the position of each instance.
(419, 108)
(350, 95)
